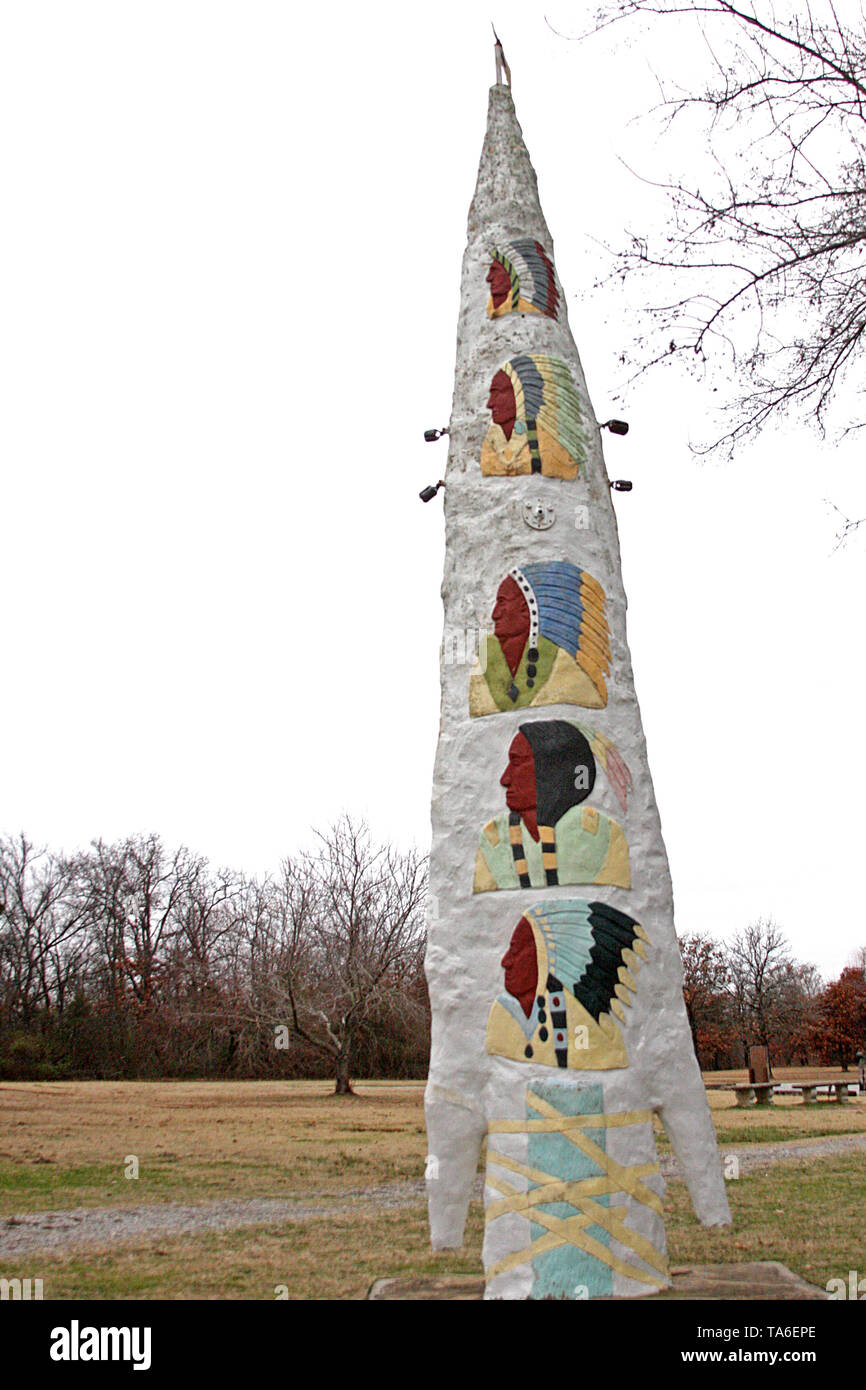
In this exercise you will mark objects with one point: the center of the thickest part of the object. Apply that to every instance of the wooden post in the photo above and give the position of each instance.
(759, 1064)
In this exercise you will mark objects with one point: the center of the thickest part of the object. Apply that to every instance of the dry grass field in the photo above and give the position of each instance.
(67, 1145)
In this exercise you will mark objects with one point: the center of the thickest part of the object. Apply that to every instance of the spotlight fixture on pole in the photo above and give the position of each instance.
(428, 493)
(615, 426)
(621, 485)
(431, 435)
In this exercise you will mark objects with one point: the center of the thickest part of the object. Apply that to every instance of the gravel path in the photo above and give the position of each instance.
(762, 1155)
(60, 1231)
(68, 1230)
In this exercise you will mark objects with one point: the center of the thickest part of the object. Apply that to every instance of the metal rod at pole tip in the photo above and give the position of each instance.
(501, 60)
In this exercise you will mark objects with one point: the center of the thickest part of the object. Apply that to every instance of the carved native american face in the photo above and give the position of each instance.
(500, 283)
(501, 403)
(520, 964)
(518, 779)
(511, 622)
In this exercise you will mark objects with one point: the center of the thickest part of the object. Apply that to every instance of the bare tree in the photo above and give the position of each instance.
(136, 893)
(206, 915)
(840, 1022)
(137, 898)
(39, 914)
(705, 991)
(199, 970)
(798, 988)
(760, 983)
(763, 253)
(858, 959)
(335, 942)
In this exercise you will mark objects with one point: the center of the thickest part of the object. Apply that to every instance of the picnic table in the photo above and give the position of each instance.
(809, 1089)
(761, 1092)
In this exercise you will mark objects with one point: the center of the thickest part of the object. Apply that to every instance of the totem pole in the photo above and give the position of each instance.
(559, 1028)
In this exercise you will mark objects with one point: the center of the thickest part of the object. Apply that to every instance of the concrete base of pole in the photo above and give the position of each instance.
(758, 1281)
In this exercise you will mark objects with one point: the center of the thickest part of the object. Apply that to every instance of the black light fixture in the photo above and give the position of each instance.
(621, 485)
(431, 435)
(428, 493)
(615, 426)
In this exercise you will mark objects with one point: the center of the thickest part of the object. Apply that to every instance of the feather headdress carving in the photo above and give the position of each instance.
(522, 280)
(536, 419)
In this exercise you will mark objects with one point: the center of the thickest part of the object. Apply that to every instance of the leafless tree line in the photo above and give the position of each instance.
(750, 990)
(132, 960)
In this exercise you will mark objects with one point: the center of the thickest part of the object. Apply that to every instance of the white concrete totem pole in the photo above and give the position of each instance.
(555, 978)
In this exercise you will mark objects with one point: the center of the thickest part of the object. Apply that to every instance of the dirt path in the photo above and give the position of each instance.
(58, 1232)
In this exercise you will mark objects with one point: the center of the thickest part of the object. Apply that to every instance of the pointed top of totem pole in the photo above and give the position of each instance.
(506, 191)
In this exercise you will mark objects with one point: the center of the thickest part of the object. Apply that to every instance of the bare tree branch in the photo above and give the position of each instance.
(766, 252)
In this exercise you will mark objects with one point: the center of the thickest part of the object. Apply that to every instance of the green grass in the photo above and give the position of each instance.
(766, 1134)
(30, 1177)
(804, 1214)
(329, 1258)
(769, 1134)
(46, 1186)
(25, 1187)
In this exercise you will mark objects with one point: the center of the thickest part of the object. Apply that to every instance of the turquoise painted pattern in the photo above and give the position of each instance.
(566, 1271)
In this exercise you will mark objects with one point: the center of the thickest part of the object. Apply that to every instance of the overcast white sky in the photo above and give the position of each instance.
(230, 273)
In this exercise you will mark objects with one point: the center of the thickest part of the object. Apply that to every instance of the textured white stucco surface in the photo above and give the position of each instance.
(468, 933)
